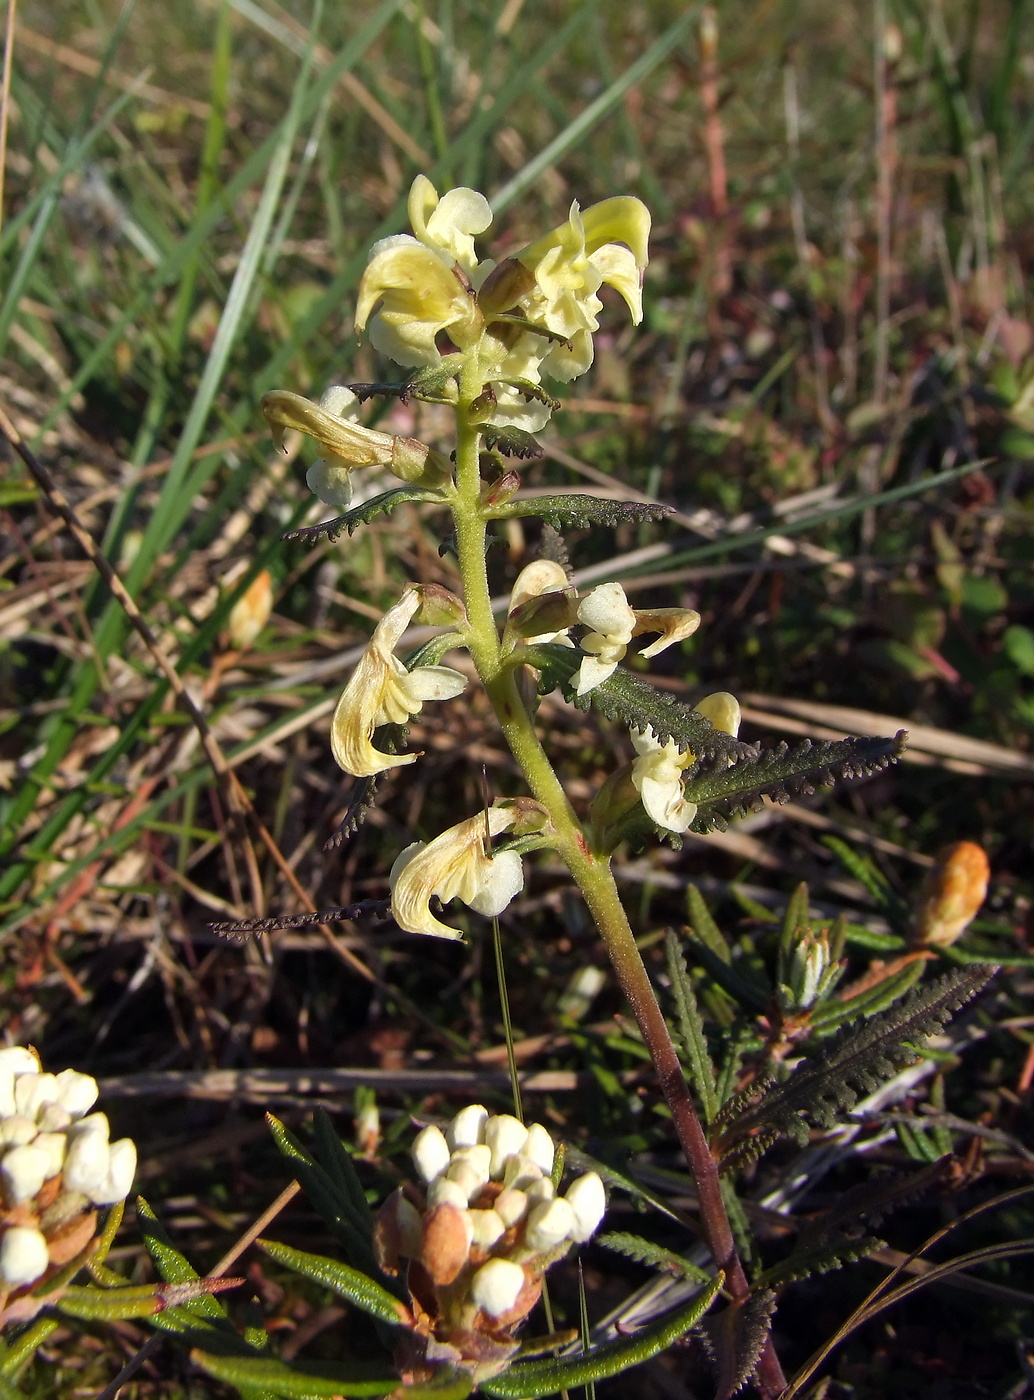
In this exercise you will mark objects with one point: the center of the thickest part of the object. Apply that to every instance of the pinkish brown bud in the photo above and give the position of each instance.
(446, 1242)
(397, 1232)
(251, 611)
(953, 891)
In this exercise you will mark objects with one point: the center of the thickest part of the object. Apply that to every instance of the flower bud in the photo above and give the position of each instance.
(23, 1170)
(953, 891)
(588, 1200)
(511, 1206)
(430, 1152)
(445, 1243)
(549, 1223)
(496, 1286)
(443, 1189)
(32, 1091)
(467, 1129)
(118, 1179)
(478, 1157)
(17, 1130)
(487, 1227)
(521, 1172)
(467, 1177)
(397, 1232)
(540, 1147)
(247, 618)
(506, 1136)
(541, 1190)
(86, 1164)
(23, 1255)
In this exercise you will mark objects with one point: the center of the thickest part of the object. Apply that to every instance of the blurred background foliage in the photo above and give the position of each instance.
(837, 308)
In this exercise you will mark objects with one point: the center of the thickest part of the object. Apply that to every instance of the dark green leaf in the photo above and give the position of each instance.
(580, 512)
(362, 515)
(735, 1337)
(363, 1292)
(298, 1381)
(528, 1379)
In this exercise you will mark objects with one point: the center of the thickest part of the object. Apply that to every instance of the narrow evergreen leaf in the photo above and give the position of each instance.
(295, 1382)
(526, 1380)
(172, 1265)
(691, 1030)
(893, 908)
(360, 1290)
(646, 1252)
(736, 1337)
(577, 511)
(17, 1352)
(338, 1165)
(333, 1205)
(383, 504)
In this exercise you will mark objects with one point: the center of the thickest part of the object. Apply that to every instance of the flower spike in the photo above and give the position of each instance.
(382, 691)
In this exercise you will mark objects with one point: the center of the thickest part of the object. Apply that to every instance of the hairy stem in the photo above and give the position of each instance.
(591, 872)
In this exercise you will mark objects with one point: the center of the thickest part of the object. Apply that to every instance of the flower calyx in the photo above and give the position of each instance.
(382, 691)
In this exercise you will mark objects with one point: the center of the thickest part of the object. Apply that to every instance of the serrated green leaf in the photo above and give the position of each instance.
(835, 1014)
(526, 1380)
(742, 988)
(691, 1030)
(295, 1382)
(360, 1290)
(512, 442)
(581, 512)
(894, 909)
(383, 504)
(646, 1252)
(704, 928)
(823, 1259)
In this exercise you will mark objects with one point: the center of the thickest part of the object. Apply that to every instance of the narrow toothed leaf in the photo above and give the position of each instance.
(580, 512)
(512, 442)
(383, 504)
(646, 1252)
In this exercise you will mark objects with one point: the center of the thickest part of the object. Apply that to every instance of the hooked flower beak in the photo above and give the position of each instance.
(456, 865)
(382, 691)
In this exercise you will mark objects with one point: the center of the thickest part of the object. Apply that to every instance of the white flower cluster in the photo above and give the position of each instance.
(56, 1163)
(493, 1175)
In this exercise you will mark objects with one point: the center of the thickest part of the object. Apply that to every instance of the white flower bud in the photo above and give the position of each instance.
(496, 1286)
(24, 1170)
(54, 1145)
(18, 1059)
(53, 1119)
(86, 1163)
(76, 1093)
(488, 1227)
(17, 1129)
(467, 1129)
(548, 1224)
(540, 1147)
(541, 1190)
(467, 1178)
(23, 1255)
(521, 1171)
(511, 1206)
(588, 1200)
(443, 1191)
(119, 1177)
(430, 1152)
(94, 1123)
(32, 1091)
(478, 1157)
(506, 1136)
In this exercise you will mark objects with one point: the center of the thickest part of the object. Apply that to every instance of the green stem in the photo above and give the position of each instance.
(591, 872)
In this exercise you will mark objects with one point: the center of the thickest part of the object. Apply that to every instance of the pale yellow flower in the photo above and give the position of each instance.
(346, 443)
(657, 776)
(423, 284)
(456, 865)
(606, 244)
(613, 623)
(382, 691)
(658, 769)
(541, 599)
